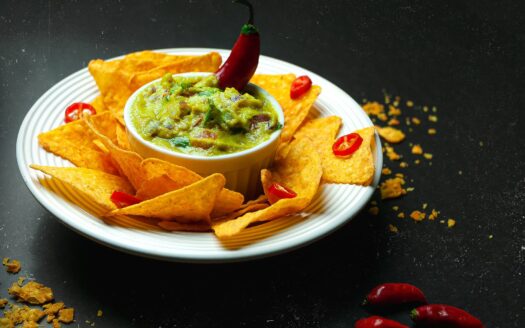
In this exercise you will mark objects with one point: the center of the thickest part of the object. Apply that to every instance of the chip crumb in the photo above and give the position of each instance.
(393, 121)
(417, 161)
(373, 108)
(395, 208)
(393, 228)
(30, 324)
(460, 172)
(410, 103)
(400, 175)
(374, 210)
(451, 223)
(417, 150)
(51, 310)
(401, 215)
(373, 202)
(432, 131)
(417, 215)
(392, 188)
(425, 109)
(32, 293)
(491, 236)
(403, 164)
(22, 314)
(55, 323)
(432, 118)
(386, 171)
(428, 156)
(481, 143)
(441, 221)
(99, 313)
(394, 111)
(391, 134)
(391, 154)
(66, 315)
(416, 120)
(434, 109)
(382, 117)
(433, 215)
(424, 206)
(12, 266)
(20, 281)
(3, 302)
(409, 189)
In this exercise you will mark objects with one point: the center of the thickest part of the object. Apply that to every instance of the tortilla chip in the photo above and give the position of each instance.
(190, 204)
(190, 227)
(259, 200)
(122, 138)
(161, 177)
(225, 229)
(295, 110)
(300, 170)
(74, 142)
(118, 79)
(127, 162)
(95, 185)
(99, 105)
(357, 169)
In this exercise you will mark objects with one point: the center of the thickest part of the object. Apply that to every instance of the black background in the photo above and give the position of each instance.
(464, 57)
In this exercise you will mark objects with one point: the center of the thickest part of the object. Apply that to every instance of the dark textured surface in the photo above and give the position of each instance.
(465, 57)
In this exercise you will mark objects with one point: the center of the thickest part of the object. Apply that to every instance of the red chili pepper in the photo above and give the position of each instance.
(122, 199)
(347, 145)
(444, 316)
(378, 322)
(76, 110)
(300, 86)
(277, 191)
(244, 57)
(394, 294)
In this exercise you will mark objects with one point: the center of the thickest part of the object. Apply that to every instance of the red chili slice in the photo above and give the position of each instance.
(378, 322)
(77, 110)
(347, 145)
(122, 199)
(394, 294)
(300, 86)
(277, 191)
(440, 315)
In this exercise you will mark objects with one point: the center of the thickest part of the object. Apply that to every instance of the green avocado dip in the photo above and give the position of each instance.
(192, 115)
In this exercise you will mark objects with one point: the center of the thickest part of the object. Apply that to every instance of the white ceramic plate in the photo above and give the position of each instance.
(331, 208)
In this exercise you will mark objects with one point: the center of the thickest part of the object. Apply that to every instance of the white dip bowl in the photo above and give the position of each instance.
(241, 169)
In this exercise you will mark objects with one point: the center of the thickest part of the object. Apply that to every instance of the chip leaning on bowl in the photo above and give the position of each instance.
(178, 198)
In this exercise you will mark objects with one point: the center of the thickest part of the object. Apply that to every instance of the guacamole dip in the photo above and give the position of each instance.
(192, 115)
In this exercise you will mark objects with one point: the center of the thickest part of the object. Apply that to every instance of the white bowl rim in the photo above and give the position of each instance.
(275, 135)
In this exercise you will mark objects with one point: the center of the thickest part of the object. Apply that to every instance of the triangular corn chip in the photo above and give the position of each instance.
(357, 169)
(97, 186)
(295, 110)
(74, 142)
(127, 162)
(161, 177)
(192, 203)
(190, 227)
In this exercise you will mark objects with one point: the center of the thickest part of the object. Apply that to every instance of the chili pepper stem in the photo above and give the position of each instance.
(413, 314)
(250, 7)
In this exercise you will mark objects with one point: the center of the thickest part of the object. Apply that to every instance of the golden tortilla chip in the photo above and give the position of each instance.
(95, 185)
(161, 177)
(242, 211)
(190, 227)
(225, 229)
(122, 138)
(295, 110)
(190, 204)
(99, 105)
(118, 79)
(300, 170)
(127, 162)
(74, 142)
(357, 169)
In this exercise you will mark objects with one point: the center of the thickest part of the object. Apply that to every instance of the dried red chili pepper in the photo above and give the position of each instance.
(445, 316)
(394, 294)
(378, 322)
(244, 57)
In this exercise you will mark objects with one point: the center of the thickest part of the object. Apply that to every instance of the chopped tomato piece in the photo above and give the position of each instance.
(300, 86)
(347, 145)
(77, 110)
(277, 191)
(122, 199)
